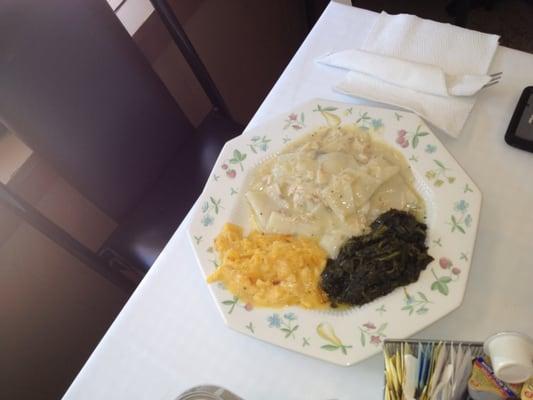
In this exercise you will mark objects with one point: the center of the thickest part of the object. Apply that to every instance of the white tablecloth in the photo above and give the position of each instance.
(169, 336)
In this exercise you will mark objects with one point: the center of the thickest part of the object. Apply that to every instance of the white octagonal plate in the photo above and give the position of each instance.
(453, 203)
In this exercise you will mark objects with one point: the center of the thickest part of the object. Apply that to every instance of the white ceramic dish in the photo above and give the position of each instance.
(453, 203)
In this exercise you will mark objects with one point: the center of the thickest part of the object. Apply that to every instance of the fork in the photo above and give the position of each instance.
(495, 78)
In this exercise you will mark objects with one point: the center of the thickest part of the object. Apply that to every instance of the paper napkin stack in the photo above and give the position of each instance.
(430, 68)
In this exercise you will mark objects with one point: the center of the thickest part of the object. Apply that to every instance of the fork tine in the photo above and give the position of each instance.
(496, 74)
(490, 84)
(495, 79)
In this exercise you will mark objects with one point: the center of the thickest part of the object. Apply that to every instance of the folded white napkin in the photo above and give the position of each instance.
(418, 76)
(455, 50)
(446, 113)
(431, 46)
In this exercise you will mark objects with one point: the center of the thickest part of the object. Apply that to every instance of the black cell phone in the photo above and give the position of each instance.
(520, 131)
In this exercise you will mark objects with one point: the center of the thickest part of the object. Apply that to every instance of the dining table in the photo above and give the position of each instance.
(170, 337)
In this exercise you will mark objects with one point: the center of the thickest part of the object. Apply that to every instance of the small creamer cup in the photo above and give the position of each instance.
(511, 354)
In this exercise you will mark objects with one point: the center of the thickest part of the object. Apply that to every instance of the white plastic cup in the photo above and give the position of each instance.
(511, 354)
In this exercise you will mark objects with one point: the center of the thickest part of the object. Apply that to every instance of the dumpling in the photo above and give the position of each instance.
(336, 162)
(261, 205)
(338, 196)
(279, 223)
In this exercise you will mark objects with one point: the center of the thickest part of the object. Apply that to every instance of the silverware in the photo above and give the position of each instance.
(495, 78)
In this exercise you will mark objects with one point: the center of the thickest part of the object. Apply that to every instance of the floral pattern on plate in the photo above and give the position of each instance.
(461, 219)
(327, 333)
(285, 323)
(404, 137)
(345, 336)
(372, 334)
(442, 280)
(415, 303)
